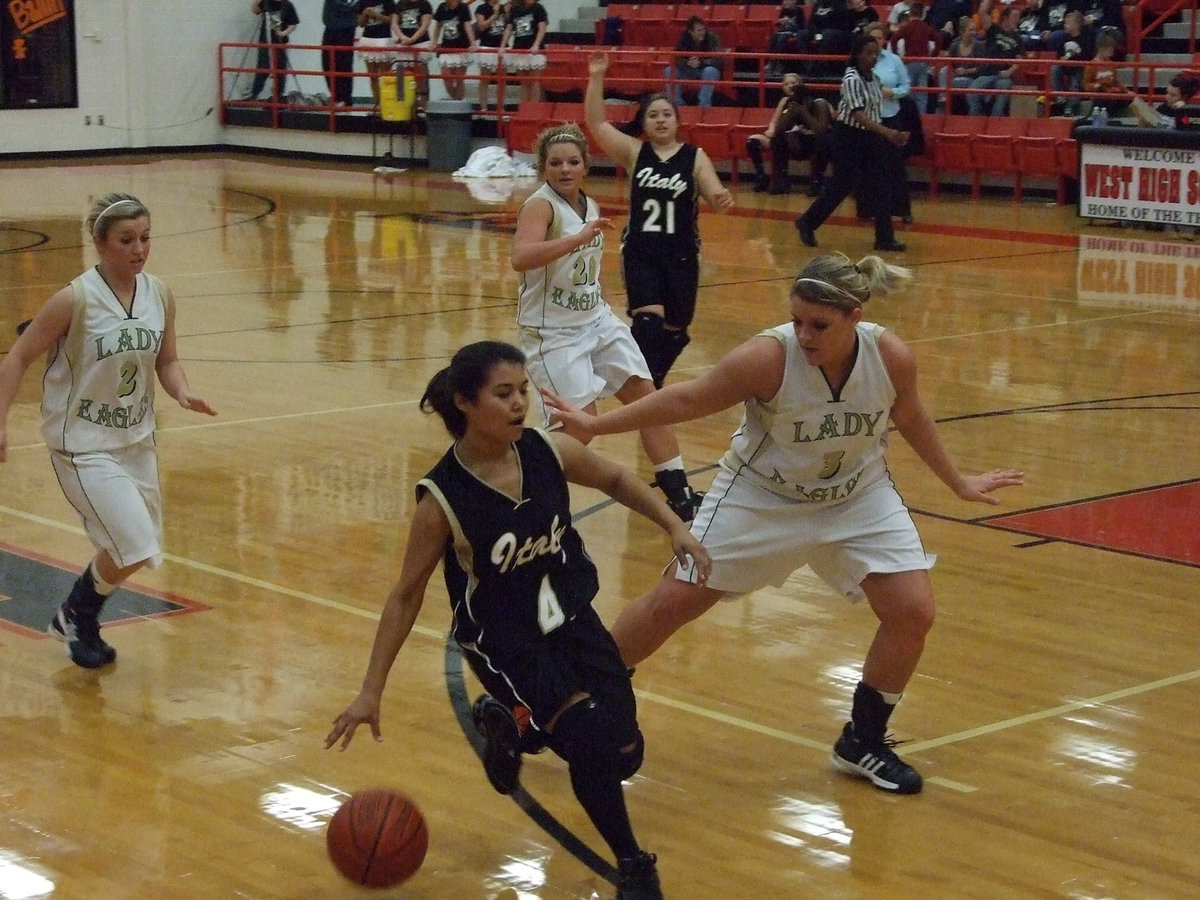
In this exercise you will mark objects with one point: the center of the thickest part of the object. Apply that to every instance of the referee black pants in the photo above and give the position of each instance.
(861, 159)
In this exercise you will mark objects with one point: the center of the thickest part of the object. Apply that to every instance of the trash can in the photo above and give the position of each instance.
(448, 135)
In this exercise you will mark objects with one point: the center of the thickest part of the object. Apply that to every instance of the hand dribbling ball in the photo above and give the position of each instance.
(377, 838)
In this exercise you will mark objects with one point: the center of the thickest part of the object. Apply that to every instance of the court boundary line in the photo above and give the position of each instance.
(660, 699)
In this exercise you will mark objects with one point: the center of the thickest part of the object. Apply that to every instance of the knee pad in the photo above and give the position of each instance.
(588, 736)
(647, 331)
(673, 342)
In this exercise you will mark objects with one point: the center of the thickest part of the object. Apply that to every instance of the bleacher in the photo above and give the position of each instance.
(996, 153)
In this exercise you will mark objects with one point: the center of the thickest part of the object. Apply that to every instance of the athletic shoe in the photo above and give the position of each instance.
(876, 762)
(685, 507)
(807, 237)
(501, 742)
(81, 633)
(637, 878)
(680, 497)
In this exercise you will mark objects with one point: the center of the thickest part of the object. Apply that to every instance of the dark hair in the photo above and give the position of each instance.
(465, 377)
(1187, 83)
(857, 42)
(636, 126)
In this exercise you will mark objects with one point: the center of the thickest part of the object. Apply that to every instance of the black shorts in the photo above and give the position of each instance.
(670, 281)
(578, 656)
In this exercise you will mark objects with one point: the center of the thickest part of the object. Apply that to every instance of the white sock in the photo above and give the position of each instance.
(103, 588)
(890, 699)
(676, 463)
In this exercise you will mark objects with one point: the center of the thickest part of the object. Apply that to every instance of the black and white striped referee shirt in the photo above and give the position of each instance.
(859, 92)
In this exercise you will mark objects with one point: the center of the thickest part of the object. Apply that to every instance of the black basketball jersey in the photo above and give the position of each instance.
(514, 570)
(664, 210)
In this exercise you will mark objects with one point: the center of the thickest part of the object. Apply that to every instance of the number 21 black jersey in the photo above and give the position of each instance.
(664, 210)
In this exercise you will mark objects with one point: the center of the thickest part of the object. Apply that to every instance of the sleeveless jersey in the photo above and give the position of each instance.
(514, 570)
(565, 293)
(98, 390)
(807, 444)
(663, 207)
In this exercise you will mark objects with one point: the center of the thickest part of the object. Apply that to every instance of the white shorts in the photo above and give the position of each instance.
(454, 61)
(524, 61)
(585, 364)
(376, 50)
(411, 55)
(116, 493)
(758, 538)
(488, 58)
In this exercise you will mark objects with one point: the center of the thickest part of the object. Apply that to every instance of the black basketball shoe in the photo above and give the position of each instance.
(637, 878)
(80, 631)
(502, 742)
(876, 762)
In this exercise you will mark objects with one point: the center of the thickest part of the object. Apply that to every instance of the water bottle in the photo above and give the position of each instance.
(1103, 116)
(1096, 111)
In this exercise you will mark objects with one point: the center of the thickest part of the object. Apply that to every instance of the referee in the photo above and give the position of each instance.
(863, 145)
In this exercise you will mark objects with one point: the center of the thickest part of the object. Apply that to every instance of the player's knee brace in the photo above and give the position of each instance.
(588, 736)
(673, 342)
(648, 332)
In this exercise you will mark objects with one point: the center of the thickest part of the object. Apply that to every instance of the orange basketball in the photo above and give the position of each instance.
(377, 838)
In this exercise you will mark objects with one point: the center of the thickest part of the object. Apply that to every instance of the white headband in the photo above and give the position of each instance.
(107, 210)
(832, 287)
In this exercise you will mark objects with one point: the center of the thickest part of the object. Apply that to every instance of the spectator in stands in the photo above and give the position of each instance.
(1106, 17)
(452, 30)
(864, 146)
(377, 43)
(898, 11)
(786, 37)
(1103, 79)
(414, 18)
(697, 61)
(854, 16)
(1032, 25)
(1003, 41)
(1075, 43)
(1054, 16)
(894, 88)
(490, 19)
(914, 41)
(526, 30)
(802, 127)
(1181, 91)
(943, 16)
(340, 18)
(966, 49)
(278, 20)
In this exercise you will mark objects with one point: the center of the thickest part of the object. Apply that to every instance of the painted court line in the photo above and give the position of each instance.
(683, 706)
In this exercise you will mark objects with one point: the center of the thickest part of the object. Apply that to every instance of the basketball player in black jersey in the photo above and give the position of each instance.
(496, 512)
(660, 252)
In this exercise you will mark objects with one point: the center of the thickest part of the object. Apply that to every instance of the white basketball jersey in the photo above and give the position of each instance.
(807, 444)
(565, 293)
(98, 390)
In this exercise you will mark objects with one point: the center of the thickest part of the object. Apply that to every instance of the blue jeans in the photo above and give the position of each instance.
(918, 74)
(707, 75)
